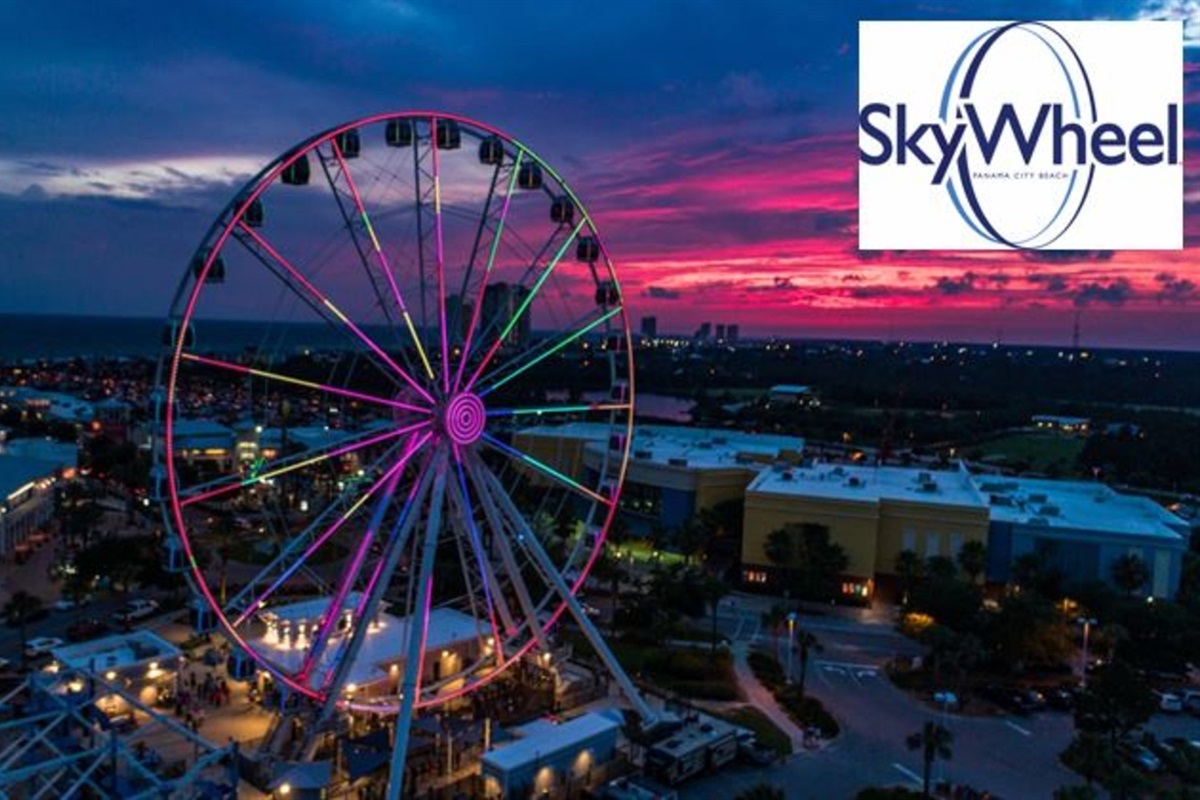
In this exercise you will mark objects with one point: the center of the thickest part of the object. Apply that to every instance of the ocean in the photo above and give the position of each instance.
(33, 336)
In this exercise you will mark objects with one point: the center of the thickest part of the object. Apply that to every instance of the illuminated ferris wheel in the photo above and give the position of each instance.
(423, 304)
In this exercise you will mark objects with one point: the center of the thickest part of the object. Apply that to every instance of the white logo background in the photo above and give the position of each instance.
(1136, 71)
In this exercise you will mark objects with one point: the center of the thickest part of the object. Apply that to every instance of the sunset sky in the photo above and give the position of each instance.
(714, 142)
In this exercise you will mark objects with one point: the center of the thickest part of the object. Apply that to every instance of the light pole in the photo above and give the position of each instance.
(791, 621)
(1087, 623)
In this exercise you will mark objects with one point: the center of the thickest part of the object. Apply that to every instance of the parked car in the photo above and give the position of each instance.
(68, 604)
(1191, 703)
(37, 614)
(1169, 702)
(135, 610)
(87, 629)
(41, 646)
(1061, 699)
(1143, 758)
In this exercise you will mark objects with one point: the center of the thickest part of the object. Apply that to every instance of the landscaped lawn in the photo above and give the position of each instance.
(766, 731)
(1042, 452)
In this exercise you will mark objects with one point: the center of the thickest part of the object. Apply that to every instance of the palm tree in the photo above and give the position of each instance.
(761, 791)
(1130, 573)
(21, 607)
(934, 741)
(972, 559)
(908, 567)
(807, 644)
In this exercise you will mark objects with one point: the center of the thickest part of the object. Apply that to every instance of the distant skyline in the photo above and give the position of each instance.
(715, 144)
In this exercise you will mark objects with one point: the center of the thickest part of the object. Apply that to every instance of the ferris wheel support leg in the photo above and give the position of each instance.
(410, 682)
(530, 542)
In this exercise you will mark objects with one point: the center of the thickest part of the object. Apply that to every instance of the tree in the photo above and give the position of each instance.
(972, 559)
(934, 741)
(780, 548)
(941, 568)
(1117, 700)
(1130, 573)
(1090, 755)
(1075, 793)
(908, 567)
(714, 590)
(21, 608)
(761, 791)
(806, 644)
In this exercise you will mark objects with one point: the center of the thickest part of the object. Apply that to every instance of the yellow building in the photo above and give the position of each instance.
(873, 513)
(673, 472)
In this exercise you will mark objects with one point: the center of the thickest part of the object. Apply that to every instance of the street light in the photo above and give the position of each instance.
(791, 621)
(1087, 623)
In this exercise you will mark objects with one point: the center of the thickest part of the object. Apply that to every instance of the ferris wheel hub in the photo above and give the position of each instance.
(464, 418)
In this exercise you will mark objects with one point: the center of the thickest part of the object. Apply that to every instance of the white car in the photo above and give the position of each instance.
(67, 604)
(135, 610)
(41, 646)
(1169, 702)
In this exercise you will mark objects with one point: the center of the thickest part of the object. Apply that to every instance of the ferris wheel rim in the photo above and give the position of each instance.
(233, 215)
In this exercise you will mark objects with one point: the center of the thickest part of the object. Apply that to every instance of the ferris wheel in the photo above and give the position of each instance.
(423, 308)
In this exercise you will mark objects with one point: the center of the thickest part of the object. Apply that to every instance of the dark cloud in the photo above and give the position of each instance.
(1115, 293)
(1048, 282)
(963, 284)
(1173, 289)
(661, 293)
(1066, 256)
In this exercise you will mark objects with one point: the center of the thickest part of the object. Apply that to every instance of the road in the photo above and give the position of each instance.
(1016, 759)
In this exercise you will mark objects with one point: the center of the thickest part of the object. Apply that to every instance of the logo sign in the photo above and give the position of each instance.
(1020, 135)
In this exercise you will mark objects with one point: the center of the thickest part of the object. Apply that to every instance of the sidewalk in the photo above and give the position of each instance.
(761, 698)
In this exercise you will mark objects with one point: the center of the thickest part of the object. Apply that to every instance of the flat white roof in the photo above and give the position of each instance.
(700, 447)
(543, 738)
(380, 648)
(870, 484)
(1077, 505)
(120, 651)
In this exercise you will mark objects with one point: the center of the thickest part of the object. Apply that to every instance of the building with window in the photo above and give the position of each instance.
(26, 500)
(674, 472)
(872, 513)
(1082, 528)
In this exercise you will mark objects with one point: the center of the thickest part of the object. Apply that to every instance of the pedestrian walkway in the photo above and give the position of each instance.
(761, 698)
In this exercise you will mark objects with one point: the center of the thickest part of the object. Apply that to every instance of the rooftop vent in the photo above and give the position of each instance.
(1049, 511)
(642, 454)
(928, 486)
(788, 475)
(1000, 500)
(1037, 498)
(854, 482)
(677, 462)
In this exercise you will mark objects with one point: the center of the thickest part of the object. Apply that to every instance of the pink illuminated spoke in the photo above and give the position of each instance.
(524, 458)
(384, 265)
(207, 491)
(258, 602)
(322, 387)
(441, 255)
(466, 515)
(337, 312)
(334, 612)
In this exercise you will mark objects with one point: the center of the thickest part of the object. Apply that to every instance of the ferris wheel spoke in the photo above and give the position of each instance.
(342, 447)
(464, 519)
(440, 253)
(320, 297)
(508, 561)
(534, 356)
(328, 533)
(544, 468)
(524, 306)
(476, 308)
(538, 411)
(530, 543)
(384, 265)
(320, 387)
(372, 593)
(354, 565)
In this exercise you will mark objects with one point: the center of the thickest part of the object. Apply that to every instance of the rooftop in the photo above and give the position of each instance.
(871, 484)
(380, 648)
(1078, 505)
(699, 734)
(542, 738)
(118, 652)
(63, 454)
(17, 472)
(684, 446)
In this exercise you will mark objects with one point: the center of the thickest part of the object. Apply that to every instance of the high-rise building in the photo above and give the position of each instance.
(720, 332)
(458, 318)
(500, 304)
(731, 333)
(650, 327)
(704, 332)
